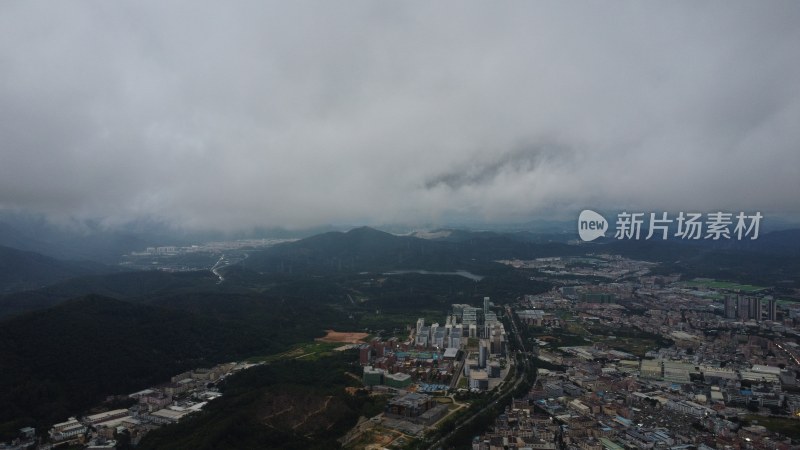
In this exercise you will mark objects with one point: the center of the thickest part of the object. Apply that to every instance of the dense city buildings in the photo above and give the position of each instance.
(654, 362)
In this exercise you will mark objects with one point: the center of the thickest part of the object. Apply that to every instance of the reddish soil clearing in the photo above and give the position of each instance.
(337, 336)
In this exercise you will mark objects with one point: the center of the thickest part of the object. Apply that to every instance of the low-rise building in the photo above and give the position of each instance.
(409, 405)
(68, 430)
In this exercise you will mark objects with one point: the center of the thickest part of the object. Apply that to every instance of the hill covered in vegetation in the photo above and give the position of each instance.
(291, 404)
(21, 270)
(61, 360)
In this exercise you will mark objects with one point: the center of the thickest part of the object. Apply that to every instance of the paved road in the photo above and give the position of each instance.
(224, 262)
(221, 263)
(459, 373)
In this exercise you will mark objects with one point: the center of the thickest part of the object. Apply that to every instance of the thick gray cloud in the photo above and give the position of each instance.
(233, 114)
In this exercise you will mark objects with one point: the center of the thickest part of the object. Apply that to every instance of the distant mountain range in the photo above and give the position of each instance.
(368, 249)
(97, 244)
(95, 241)
(22, 270)
(772, 258)
(123, 285)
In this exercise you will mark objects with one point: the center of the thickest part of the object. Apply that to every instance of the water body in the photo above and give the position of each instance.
(460, 273)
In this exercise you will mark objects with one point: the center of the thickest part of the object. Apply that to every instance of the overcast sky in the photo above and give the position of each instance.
(234, 114)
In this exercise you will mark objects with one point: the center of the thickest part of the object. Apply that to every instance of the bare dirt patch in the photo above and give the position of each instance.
(338, 336)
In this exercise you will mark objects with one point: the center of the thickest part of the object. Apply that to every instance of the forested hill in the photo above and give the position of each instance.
(253, 411)
(355, 250)
(20, 270)
(60, 360)
(768, 260)
(123, 285)
(367, 249)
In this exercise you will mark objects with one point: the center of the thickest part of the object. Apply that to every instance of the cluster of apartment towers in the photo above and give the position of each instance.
(750, 308)
(464, 323)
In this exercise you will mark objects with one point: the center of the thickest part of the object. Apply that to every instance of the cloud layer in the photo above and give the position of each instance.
(228, 115)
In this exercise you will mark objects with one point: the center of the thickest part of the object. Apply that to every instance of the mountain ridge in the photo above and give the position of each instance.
(21, 270)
